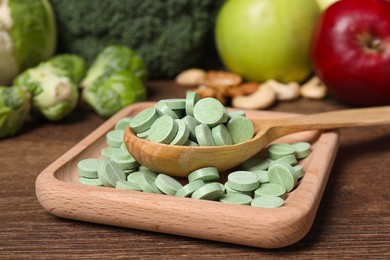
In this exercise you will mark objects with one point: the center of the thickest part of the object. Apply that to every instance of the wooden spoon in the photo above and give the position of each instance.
(182, 160)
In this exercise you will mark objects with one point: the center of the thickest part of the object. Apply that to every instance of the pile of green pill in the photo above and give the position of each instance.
(192, 121)
(260, 181)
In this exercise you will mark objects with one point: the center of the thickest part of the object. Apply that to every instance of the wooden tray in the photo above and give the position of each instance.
(60, 193)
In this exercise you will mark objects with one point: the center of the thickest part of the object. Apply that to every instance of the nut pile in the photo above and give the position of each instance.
(229, 87)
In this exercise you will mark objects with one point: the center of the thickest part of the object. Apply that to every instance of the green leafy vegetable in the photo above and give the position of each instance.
(114, 80)
(14, 108)
(54, 85)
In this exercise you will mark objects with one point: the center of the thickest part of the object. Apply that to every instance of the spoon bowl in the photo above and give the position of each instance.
(182, 160)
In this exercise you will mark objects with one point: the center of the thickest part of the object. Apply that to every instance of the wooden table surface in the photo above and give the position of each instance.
(353, 220)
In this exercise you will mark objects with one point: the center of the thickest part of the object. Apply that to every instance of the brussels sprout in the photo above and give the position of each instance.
(14, 108)
(53, 85)
(114, 80)
(120, 89)
(111, 59)
(27, 36)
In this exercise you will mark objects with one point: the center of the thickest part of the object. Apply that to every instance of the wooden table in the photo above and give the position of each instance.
(353, 220)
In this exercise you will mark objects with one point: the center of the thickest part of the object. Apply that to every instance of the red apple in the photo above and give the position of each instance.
(351, 51)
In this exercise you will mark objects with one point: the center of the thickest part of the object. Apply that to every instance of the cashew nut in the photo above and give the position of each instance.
(314, 89)
(245, 88)
(222, 80)
(191, 77)
(264, 97)
(205, 91)
(284, 92)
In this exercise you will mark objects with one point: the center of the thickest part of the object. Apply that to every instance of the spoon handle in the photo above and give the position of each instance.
(329, 120)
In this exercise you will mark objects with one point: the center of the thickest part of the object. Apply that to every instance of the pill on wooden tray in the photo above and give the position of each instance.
(123, 123)
(110, 172)
(236, 198)
(189, 188)
(302, 149)
(167, 184)
(243, 180)
(205, 174)
(210, 191)
(88, 168)
(267, 202)
(276, 151)
(283, 174)
(270, 189)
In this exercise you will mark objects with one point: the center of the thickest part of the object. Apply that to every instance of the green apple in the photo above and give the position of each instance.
(267, 39)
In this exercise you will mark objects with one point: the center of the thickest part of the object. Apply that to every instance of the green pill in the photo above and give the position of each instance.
(267, 202)
(163, 130)
(125, 160)
(210, 191)
(205, 174)
(239, 199)
(146, 182)
(135, 176)
(262, 175)
(204, 135)
(191, 99)
(210, 111)
(115, 138)
(241, 129)
(298, 172)
(127, 185)
(276, 151)
(302, 149)
(123, 148)
(144, 120)
(144, 134)
(189, 188)
(182, 134)
(165, 110)
(229, 190)
(175, 103)
(256, 163)
(108, 152)
(221, 135)
(88, 168)
(167, 184)
(123, 123)
(243, 180)
(110, 172)
(270, 189)
(283, 174)
(289, 159)
(191, 123)
(92, 182)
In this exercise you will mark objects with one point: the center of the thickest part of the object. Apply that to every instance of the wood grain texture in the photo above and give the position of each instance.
(352, 220)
